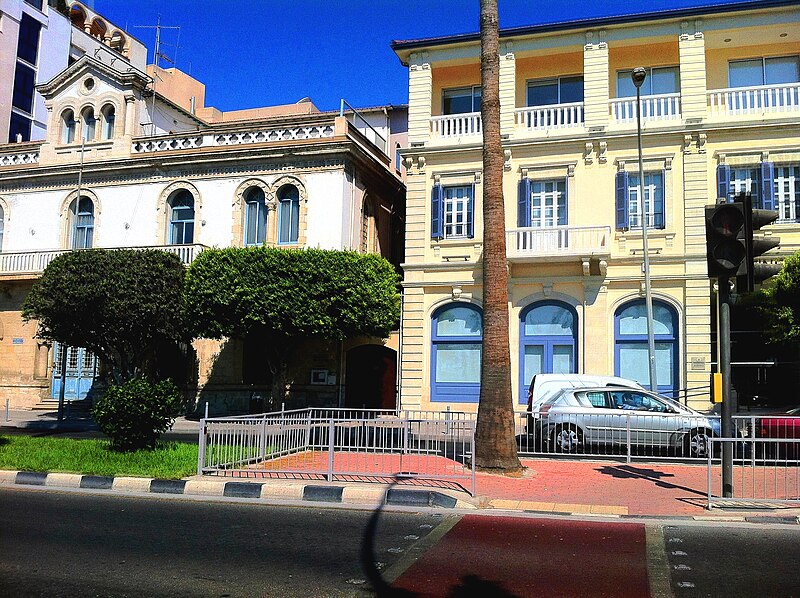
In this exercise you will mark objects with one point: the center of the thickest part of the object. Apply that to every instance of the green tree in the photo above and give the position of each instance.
(122, 305)
(288, 295)
(495, 441)
(779, 301)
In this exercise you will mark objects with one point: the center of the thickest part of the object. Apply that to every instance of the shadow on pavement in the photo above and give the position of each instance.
(652, 475)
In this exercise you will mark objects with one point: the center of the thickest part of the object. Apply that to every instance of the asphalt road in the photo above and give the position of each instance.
(56, 543)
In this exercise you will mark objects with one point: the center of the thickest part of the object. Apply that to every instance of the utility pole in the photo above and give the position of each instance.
(724, 298)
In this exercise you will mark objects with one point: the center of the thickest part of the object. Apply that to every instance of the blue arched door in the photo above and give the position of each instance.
(456, 344)
(630, 344)
(548, 342)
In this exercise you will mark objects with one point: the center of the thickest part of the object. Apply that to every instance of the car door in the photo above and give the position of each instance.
(650, 423)
(603, 423)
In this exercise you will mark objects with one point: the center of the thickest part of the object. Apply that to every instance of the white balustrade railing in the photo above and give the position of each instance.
(555, 116)
(26, 157)
(457, 125)
(754, 100)
(657, 107)
(34, 262)
(558, 240)
(182, 141)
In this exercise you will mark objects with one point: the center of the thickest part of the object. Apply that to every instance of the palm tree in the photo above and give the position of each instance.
(495, 445)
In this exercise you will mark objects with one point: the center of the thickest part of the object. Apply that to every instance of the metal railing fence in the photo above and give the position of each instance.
(341, 444)
(765, 471)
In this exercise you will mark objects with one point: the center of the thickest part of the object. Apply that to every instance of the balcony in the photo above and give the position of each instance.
(34, 262)
(558, 241)
(664, 107)
(555, 116)
(760, 100)
(451, 126)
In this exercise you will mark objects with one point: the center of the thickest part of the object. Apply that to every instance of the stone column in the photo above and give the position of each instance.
(420, 98)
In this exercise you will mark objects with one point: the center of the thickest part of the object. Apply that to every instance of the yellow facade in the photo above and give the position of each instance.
(587, 263)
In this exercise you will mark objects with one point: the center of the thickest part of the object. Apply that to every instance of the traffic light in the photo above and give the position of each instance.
(757, 272)
(726, 240)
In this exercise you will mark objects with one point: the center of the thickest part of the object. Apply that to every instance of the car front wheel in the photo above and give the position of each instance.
(697, 443)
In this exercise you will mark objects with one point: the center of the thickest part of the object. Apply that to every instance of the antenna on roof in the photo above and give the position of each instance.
(157, 57)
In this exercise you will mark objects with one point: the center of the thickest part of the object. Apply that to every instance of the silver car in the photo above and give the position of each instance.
(585, 419)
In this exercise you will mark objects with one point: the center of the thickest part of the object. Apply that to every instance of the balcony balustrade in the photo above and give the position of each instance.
(656, 107)
(762, 99)
(34, 262)
(555, 116)
(457, 125)
(558, 241)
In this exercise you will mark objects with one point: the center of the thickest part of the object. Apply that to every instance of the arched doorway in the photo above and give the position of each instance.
(371, 378)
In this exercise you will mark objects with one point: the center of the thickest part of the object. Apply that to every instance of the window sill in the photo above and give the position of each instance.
(457, 242)
(652, 233)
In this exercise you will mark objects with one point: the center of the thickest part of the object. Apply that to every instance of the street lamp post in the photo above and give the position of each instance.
(638, 76)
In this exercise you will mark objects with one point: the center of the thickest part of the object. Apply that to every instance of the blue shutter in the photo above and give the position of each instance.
(437, 212)
(724, 182)
(471, 212)
(622, 199)
(524, 203)
(562, 205)
(658, 209)
(767, 199)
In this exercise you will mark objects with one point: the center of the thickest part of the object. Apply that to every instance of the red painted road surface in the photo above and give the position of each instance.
(504, 557)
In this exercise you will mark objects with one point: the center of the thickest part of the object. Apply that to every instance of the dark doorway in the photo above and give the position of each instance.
(371, 378)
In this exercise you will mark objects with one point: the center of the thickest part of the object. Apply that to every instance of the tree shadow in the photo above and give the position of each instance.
(651, 475)
(470, 586)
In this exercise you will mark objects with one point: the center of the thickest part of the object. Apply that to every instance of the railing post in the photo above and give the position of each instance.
(708, 451)
(331, 435)
(628, 435)
(201, 447)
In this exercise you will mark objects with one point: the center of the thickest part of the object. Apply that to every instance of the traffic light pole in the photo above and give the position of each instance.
(725, 369)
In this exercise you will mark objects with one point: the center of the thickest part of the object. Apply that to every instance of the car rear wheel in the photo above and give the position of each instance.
(697, 443)
(567, 439)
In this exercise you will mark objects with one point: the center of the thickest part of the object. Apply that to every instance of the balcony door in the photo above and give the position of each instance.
(80, 373)
(548, 342)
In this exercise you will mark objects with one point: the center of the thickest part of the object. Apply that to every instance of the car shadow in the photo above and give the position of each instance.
(651, 475)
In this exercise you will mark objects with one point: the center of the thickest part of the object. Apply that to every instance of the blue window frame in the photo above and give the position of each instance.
(548, 335)
(288, 214)
(255, 216)
(82, 223)
(456, 345)
(627, 191)
(181, 220)
(630, 345)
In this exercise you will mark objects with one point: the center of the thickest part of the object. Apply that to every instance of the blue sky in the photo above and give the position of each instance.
(253, 53)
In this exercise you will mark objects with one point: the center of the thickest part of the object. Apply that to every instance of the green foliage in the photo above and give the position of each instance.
(169, 460)
(291, 293)
(122, 305)
(135, 413)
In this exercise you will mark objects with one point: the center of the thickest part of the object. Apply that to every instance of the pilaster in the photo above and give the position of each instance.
(595, 81)
(692, 51)
(508, 68)
(420, 91)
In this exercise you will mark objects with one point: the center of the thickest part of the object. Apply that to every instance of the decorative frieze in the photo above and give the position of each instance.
(28, 157)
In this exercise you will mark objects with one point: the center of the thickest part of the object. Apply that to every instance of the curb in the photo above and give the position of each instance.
(361, 495)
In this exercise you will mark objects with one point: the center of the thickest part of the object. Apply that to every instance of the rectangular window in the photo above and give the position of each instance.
(764, 71)
(35, 3)
(787, 192)
(462, 100)
(458, 212)
(458, 363)
(653, 200)
(746, 180)
(659, 80)
(562, 90)
(24, 80)
(20, 125)
(548, 204)
(28, 44)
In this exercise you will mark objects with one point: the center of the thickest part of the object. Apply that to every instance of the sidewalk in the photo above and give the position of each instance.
(548, 485)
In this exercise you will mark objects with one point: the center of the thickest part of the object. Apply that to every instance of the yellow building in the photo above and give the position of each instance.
(721, 115)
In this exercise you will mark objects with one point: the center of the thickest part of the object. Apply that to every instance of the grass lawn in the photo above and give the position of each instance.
(169, 459)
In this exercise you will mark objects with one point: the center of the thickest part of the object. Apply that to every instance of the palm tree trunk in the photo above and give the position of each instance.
(495, 443)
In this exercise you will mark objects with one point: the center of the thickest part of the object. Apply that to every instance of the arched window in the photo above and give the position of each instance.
(68, 126)
(109, 117)
(77, 17)
(89, 124)
(98, 29)
(255, 217)
(117, 41)
(548, 342)
(181, 218)
(82, 215)
(288, 214)
(630, 344)
(456, 344)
